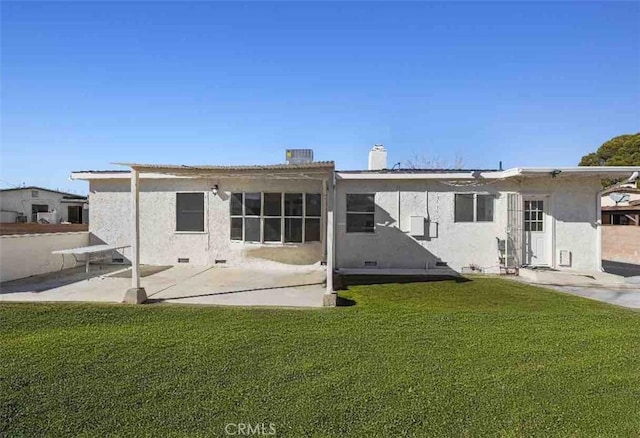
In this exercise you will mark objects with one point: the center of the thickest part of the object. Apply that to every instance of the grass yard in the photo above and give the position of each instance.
(484, 357)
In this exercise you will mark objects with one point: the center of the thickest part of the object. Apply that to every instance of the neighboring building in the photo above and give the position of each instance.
(621, 223)
(405, 221)
(25, 204)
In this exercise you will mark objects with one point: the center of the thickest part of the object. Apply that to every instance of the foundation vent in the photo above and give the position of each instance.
(370, 263)
(183, 260)
(117, 260)
(220, 262)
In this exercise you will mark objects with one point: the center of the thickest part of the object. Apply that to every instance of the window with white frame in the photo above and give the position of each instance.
(190, 211)
(361, 210)
(534, 215)
(275, 217)
(473, 207)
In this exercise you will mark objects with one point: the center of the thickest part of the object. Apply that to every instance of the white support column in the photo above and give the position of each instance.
(137, 294)
(323, 219)
(330, 296)
(599, 231)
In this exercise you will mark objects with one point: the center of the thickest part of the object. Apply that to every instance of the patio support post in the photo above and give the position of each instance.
(329, 298)
(599, 230)
(137, 294)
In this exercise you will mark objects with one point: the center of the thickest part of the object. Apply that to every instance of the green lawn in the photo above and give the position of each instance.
(482, 357)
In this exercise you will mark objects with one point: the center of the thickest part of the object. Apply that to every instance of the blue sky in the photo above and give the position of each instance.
(85, 84)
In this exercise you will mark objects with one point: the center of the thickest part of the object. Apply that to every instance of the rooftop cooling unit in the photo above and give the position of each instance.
(299, 156)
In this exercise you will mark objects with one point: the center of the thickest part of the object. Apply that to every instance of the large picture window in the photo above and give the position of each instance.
(361, 213)
(276, 217)
(472, 207)
(189, 211)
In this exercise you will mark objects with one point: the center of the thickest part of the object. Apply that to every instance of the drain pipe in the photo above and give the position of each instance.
(599, 230)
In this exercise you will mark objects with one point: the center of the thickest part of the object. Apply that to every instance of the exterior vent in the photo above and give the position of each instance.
(183, 260)
(220, 262)
(117, 260)
(441, 264)
(299, 156)
(565, 257)
(370, 263)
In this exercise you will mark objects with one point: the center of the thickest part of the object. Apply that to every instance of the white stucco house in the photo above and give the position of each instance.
(413, 221)
(23, 204)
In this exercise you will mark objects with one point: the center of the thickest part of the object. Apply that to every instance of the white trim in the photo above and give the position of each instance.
(421, 176)
(602, 171)
(282, 217)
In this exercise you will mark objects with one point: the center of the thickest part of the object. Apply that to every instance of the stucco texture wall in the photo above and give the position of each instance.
(24, 255)
(572, 202)
(160, 244)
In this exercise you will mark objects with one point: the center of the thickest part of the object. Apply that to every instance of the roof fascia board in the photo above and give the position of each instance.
(599, 171)
(88, 176)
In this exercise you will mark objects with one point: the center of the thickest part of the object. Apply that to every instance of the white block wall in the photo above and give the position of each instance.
(24, 255)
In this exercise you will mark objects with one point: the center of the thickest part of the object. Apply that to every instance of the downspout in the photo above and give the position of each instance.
(399, 215)
(426, 203)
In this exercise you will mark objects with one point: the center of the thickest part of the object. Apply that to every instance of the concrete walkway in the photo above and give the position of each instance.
(622, 297)
(600, 286)
(281, 287)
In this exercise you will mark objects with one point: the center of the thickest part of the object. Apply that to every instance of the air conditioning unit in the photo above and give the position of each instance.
(299, 156)
(565, 258)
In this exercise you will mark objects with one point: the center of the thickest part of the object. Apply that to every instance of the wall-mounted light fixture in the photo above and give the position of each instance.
(214, 190)
(555, 173)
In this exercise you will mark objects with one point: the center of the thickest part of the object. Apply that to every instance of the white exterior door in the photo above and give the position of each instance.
(535, 232)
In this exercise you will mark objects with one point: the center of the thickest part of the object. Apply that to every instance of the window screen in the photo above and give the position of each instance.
(189, 211)
(361, 213)
(484, 210)
(464, 208)
(313, 205)
(293, 204)
(252, 204)
(273, 204)
(472, 207)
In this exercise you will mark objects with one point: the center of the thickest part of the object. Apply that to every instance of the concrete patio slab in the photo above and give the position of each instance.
(294, 287)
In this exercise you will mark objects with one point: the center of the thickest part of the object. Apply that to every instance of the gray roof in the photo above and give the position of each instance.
(67, 195)
(328, 165)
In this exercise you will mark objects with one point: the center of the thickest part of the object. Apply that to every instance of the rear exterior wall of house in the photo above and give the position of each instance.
(162, 244)
(571, 223)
